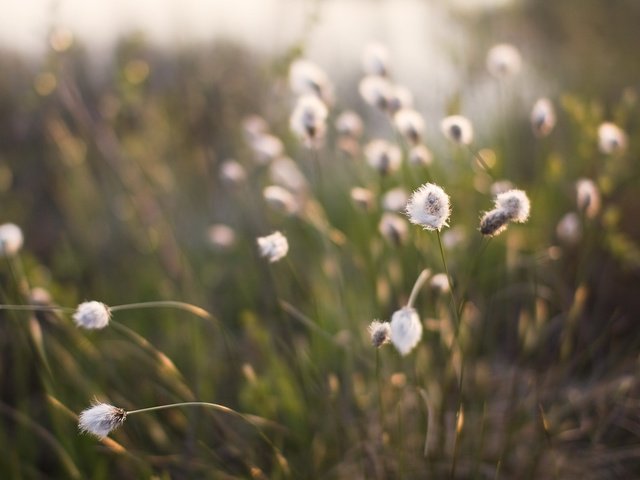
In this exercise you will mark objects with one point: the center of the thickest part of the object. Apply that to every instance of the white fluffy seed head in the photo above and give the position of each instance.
(375, 59)
(221, 237)
(376, 91)
(308, 119)
(588, 197)
(101, 419)
(307, 78)
(410, 124)
(266, 147)
(569, 228)
(92, 315)
(515, 203)
(395, 200)
(543, 117)
(420, 155)
(406, 330)
(280, 199)
(286, 173)
(349, 124)
(401, 97)
(393, 228)
(429, 207)
(440, 282)
(11, 239)
(362, 198)
(611, 138)
(457, 129)
(233, 173)
(503, 60)
(273, 247)
(384, 156)
(380, 333)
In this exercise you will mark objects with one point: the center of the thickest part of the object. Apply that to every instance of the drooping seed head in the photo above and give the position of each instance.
(273, 247)
(503, 60)
(11, 239)
(457, 129)
(101, 419)
(515, 203)
(92, 315)
(406, 330)
(429, 207)
(588, 197)
(380, 333)
(543, 117)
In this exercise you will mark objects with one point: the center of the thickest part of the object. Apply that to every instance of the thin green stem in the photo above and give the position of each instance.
(379, 384)
(453, 298)
(481, 161)
(36, 308)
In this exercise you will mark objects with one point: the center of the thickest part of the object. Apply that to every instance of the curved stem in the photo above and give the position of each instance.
(453, 298)
(36, 308)
(477, 156)
(424, 275)
(198, 311)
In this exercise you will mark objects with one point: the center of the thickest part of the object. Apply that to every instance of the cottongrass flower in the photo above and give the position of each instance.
(587, 197)
(384, 156)
(500, 186)
(362, 198)
(395, 200)
(440, 282)
(611, 138)
(305, 77)
(92, 315)
(266, 148)
(221, 237)
(254, 126)
(101, 419)
(429, 207)
(11, 239)
(406, 330)
(233, 173)
(494, 222)
(515, 203)
(375, 59)
(280, 199)
(308, 120)
(400, 97)
(457, 129)
(543, 117)
(410, 124)
(273, 247)
(376, 91)
(380, 333)
(503, 60)
(285, 172)
(393, 228)
(569, 228)
(349, 124)
(420, 156)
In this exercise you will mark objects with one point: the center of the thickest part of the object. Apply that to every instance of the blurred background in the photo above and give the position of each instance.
(116, 122)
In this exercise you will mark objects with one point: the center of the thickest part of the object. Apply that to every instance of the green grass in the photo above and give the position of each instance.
(115, 183)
